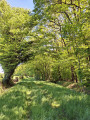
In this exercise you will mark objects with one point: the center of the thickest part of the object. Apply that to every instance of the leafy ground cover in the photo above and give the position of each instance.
(39, 100)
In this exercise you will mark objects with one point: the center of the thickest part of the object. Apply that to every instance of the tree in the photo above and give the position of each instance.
(66, 20)
(15, 45)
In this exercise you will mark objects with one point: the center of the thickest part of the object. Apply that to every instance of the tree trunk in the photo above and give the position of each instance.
(76, 77)
(72, 73)
(59, 74)
(7, 81)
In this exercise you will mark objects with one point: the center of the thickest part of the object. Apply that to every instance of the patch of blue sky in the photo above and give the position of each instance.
(28, 4)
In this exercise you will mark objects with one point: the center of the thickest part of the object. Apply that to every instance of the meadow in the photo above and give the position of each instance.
(40, 100)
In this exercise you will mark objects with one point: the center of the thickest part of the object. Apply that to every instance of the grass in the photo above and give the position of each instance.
(39, 100)
(74, 86)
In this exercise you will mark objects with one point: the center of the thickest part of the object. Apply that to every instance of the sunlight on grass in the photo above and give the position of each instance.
(39, 100)
(55, 104)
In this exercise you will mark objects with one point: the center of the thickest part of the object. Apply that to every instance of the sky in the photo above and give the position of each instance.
(22, 3)
(28, 4)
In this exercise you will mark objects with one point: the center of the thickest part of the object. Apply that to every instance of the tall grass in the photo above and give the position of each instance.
(36, 100)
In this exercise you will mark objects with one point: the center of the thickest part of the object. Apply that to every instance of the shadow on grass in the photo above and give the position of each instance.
(13, 104)
(36, 100)
(53, 102)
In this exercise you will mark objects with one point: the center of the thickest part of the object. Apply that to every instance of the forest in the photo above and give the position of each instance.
(45, 55)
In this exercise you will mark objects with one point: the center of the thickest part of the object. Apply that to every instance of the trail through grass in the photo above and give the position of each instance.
(38, 100)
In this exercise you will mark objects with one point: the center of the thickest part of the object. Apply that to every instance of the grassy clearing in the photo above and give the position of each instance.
(36, 100)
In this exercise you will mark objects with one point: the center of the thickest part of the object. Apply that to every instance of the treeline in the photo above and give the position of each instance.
(51, 69)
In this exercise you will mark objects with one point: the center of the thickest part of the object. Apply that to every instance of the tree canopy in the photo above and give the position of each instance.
(15, 45)
(61, 29)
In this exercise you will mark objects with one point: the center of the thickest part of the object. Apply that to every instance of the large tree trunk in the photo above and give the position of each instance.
(7, 81)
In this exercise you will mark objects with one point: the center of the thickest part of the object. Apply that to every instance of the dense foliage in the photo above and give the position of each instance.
(67, 22)
(61, 28)
(64, 51)
(15, 46)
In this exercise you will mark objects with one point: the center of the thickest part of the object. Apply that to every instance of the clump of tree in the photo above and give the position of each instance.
(24, 70)
(15, 46)
(46, 68)
(68, 21)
